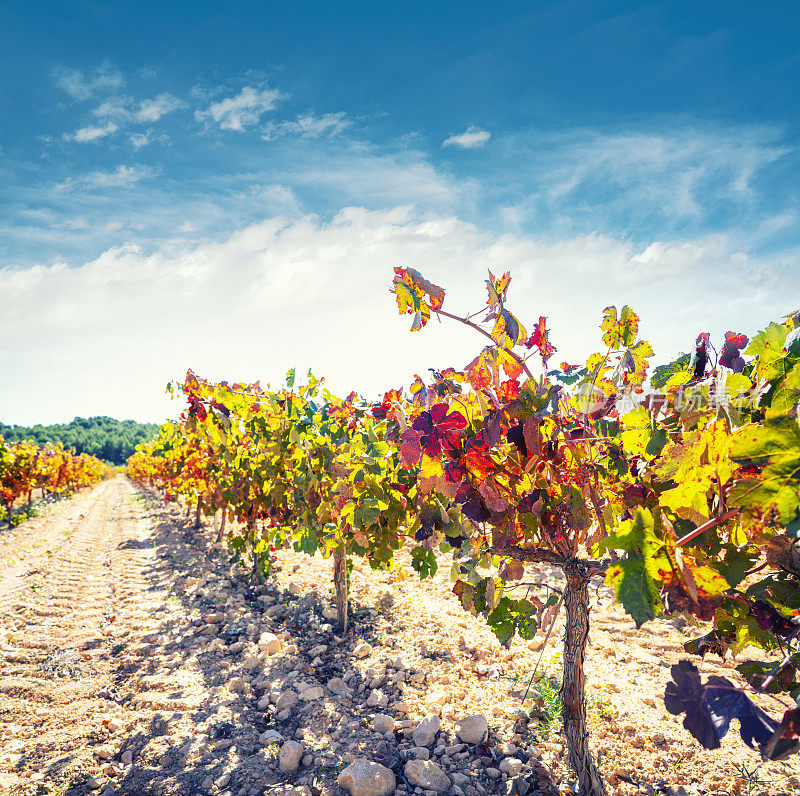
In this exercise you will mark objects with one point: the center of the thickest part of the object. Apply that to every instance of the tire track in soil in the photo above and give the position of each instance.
(91, 581)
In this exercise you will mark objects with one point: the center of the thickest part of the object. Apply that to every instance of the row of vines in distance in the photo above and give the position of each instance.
(678, 485)
(24, 466)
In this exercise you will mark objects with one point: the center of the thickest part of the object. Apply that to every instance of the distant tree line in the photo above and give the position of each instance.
(108, 439)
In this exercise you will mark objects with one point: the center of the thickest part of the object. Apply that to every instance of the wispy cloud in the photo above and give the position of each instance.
(91, 133)
(126, 109)
(242, 110)
(309, 125)
(675, 175)
(121, 177)
(139, 140)
(83, 84)
(472, 138)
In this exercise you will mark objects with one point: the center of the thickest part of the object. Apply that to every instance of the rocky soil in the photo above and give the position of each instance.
(135, 658)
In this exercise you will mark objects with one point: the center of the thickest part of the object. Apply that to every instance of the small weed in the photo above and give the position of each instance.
(751, 783)
(601, 706)
(545, 694)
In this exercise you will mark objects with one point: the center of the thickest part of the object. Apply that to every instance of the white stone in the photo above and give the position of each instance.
(377, 699)
(427, 774)
(338, 686)
(473, 729)
(286, 700)
(362, 650)
(511, 766)
(269, 643)
(312, 694)
(366, 778)
(289, 756)
(425, 731)
(270, 736)
(383, 723)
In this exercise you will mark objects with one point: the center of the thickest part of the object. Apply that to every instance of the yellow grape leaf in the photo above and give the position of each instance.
(497, 289)
(620, 328)
(430, 472)
(507, 330)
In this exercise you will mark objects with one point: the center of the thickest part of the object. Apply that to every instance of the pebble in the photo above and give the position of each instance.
(383, 723)
(377, 699)
(286, 700)
(473, 729)
(312, 694)
(427, 774)
(511, 766)
(366, 778)
(425, 732)
(338, 686)
(362, 650)
(289, 756)
(269, 643)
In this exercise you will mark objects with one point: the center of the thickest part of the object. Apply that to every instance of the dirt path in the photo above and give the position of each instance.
(135, 659)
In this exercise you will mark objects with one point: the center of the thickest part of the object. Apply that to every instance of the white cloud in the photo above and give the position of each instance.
(122, 109)
(152, 110)
(115, 108)
(92, 133)
(242, 110)
(306, 293)
(82, 85)
(139, 140)
(309, 125)
(121, 177)
(472, 138)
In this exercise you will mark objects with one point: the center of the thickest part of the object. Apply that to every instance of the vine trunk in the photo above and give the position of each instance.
(576, 634)
(340, 582)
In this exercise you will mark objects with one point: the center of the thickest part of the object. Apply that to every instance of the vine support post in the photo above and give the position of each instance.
(573, 692)
(340, 582)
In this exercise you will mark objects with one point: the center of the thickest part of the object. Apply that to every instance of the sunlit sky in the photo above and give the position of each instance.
(227, 187)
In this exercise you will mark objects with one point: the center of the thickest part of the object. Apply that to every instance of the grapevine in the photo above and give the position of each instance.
(678, 486)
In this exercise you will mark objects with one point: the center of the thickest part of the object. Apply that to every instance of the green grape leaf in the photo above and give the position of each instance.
(635, 589)
(510, 617)
(775, 449)
(663, 373)
(424, 562)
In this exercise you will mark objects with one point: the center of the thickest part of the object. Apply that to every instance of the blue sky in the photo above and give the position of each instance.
(227, 187)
